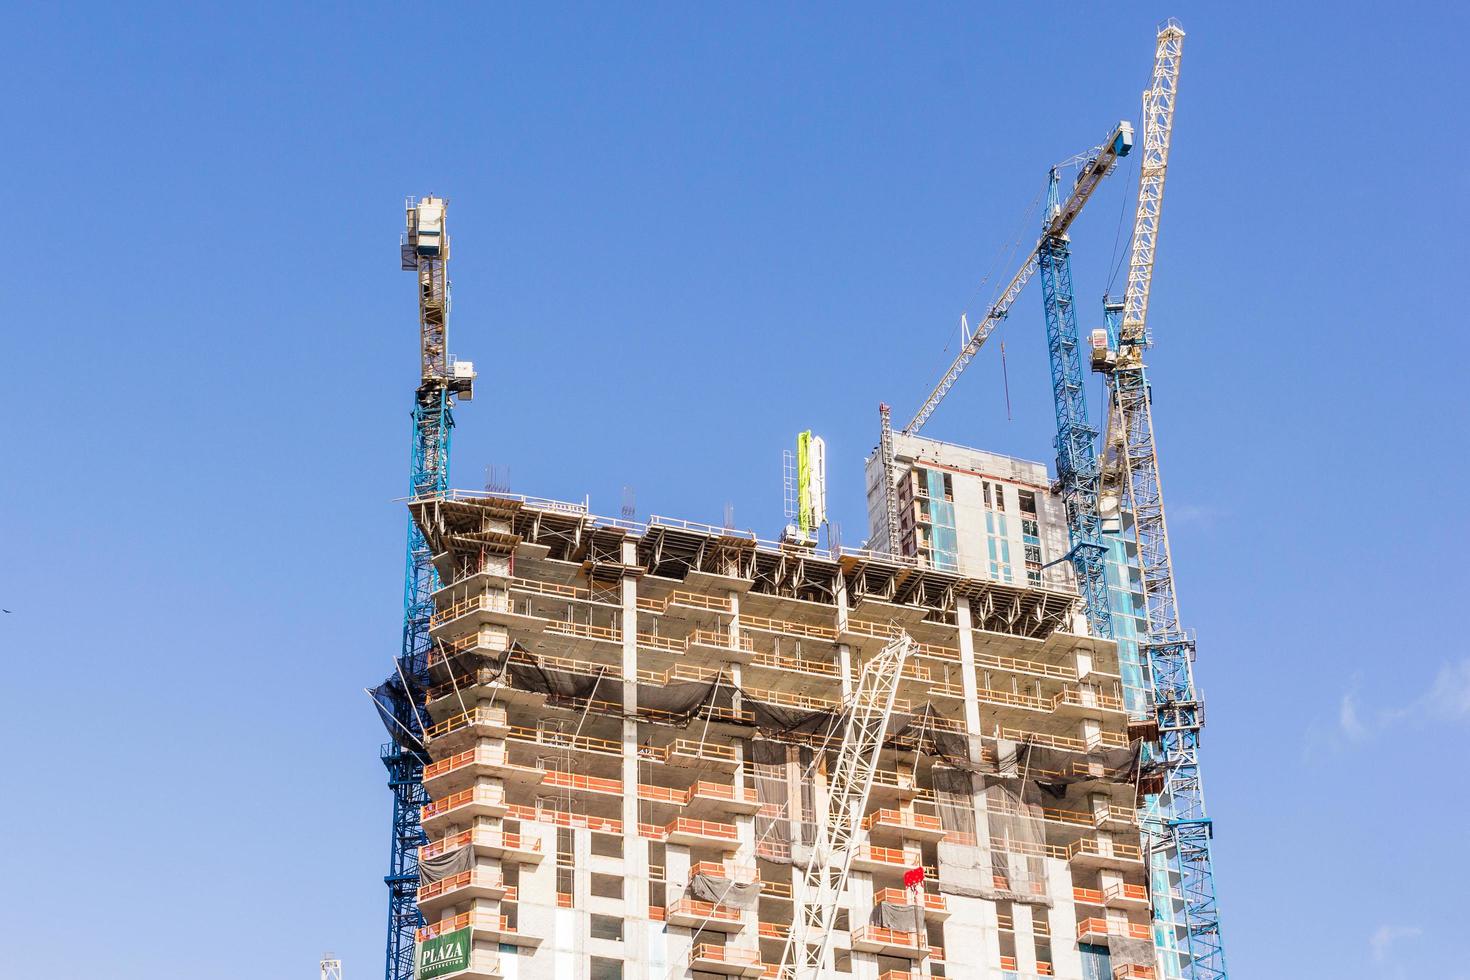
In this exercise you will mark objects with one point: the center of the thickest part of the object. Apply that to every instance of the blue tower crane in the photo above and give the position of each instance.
(425, 250)
(1079, 471)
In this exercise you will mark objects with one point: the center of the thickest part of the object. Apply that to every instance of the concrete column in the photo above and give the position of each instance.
(973, 729)
(635, 848)
(1025, 938)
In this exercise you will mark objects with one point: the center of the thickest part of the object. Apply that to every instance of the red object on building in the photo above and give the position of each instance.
(913, 878)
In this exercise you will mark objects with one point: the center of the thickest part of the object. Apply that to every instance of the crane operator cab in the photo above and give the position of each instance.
(424, 236)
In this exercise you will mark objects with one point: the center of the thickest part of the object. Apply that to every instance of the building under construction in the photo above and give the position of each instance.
(664, 749)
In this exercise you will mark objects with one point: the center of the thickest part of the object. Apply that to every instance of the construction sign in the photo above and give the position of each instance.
(443, 955)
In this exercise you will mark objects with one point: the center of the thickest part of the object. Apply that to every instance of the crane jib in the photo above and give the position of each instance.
(1097, 166)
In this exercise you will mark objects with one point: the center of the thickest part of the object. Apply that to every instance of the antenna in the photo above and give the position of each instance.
(630, 504)
(497, 481)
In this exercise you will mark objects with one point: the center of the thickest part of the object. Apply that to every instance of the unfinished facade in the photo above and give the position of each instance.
(631, 723)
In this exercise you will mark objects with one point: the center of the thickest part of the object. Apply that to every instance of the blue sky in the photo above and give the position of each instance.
(682, 234)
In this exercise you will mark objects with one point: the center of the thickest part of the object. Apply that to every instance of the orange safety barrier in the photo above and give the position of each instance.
(1134, 893)
(459, 881)
(488, 838)
(704, 828)
(899, 896)
(705, 910)
(1087, 896)
(499, 923)
(482, 794)
(899, 819)
(725, 954)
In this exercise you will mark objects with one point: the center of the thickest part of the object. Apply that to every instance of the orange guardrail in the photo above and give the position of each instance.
(443, 885)
(704, 828)
(1132, 893)
(705, 910)
(901, 820)
(900, 896)
(889, 937)
(480, 794)
(725, 954)
(767, 625)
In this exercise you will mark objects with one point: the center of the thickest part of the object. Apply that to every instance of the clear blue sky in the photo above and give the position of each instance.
(681, 235)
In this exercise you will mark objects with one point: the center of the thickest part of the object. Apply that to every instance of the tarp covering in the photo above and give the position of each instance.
(1128, 951)
(964, 870)
(899, 915)
(446, 865)
(723, 891)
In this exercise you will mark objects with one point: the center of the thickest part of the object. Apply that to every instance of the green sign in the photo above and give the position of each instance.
(443, 955)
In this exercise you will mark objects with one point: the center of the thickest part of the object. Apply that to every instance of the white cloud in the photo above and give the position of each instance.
(1383, 939)
(1351, 725)
(1447, 701)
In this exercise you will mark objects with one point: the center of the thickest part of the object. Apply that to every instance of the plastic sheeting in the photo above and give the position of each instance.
(723, 891)
(901, 916)
(444, 865)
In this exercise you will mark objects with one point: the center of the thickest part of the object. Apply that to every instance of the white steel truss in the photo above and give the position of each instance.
(838, 831)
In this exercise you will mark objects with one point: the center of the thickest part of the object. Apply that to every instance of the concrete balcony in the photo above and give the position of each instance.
(870, 857)
(483, 926)
(690, 832)
(1084, 702)
(491, 843)
(935, 906)
(1098, 931)
(1125, 896)
(463, 887)
(717, 645)
(707, 797)
(691, 913)
(700, 755)
(486, 609)
(731, 961)
(460, 731)
(461, 808)
(461, 771)
(1093, 853)
(897, 823)
(889, 942)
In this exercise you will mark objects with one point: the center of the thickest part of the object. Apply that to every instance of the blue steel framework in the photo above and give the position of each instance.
(425, 252)
(1078, 469)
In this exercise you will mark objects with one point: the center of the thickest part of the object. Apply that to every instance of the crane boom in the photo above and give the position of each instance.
(839, 823)
(1095, 166)
(1158, 128)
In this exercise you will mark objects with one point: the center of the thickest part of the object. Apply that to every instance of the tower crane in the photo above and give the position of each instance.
(809, 940)
(1178, 829)
(1093, 167)
(424, 249)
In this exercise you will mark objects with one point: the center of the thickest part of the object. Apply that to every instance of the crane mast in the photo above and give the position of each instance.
(838, 831)
(424, 250)
(1178, 829)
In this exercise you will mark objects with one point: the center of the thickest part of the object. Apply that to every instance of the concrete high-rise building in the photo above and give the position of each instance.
(632, 723)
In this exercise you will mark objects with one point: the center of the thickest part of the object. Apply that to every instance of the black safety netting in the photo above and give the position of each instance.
(395, 703)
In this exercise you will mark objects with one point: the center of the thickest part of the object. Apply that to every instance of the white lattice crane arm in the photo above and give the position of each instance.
(1158, 128)
(839, 824)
